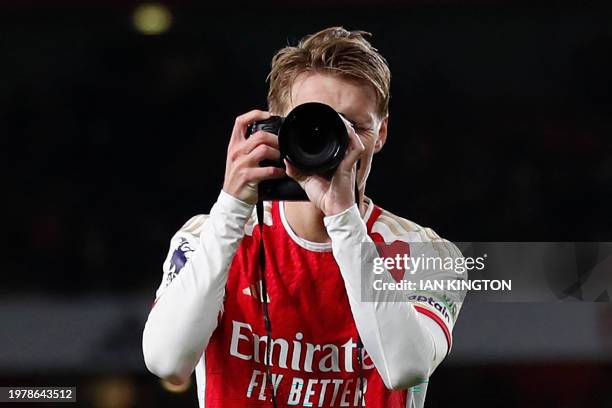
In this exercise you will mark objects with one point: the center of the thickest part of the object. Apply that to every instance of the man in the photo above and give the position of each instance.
(326, 345)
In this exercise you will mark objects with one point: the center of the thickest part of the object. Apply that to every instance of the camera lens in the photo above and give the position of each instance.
(313, 138)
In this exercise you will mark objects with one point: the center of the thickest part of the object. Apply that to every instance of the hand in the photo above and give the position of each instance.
(335, 195)
(242, 171)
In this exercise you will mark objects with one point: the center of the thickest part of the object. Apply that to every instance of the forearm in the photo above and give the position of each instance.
(398, 339)
(183, 318)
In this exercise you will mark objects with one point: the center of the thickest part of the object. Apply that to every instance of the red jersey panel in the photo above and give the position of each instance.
(314, 338)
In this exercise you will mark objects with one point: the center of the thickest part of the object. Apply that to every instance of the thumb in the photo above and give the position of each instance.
(293, 172)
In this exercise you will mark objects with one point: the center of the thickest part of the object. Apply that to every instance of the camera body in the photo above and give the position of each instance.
(313, 138)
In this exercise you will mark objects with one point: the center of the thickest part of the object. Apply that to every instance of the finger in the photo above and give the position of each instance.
(243, 121)
(354, 139)
(293, 172)
(354, 151)
(317, 183)
(356, 144)
(347, 123)
(243, 148)
(258, 138)
(265, 173)
(260, 153)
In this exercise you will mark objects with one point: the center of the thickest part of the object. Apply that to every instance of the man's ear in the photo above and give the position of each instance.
(382, 135)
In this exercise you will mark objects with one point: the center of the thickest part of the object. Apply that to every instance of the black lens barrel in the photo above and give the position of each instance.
(313, 138)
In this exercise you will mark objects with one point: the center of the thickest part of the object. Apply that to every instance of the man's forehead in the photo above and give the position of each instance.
(353, 99)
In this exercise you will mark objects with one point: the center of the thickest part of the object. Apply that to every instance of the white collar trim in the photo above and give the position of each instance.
(311, 245)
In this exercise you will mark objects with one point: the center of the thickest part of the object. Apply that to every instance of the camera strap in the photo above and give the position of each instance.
(266, 316)
(264, 299)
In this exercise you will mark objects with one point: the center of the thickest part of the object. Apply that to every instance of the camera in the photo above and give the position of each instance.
(312, 137)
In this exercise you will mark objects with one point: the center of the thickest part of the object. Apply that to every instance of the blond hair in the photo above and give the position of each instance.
(336, 51)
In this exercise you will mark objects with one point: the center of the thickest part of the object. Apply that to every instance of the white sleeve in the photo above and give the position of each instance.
(404, 345)
(190, 296)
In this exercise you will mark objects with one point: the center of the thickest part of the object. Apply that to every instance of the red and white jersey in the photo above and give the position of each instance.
(314, 336)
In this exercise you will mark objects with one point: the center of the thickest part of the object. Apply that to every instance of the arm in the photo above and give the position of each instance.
(405, 345)
(186, 310)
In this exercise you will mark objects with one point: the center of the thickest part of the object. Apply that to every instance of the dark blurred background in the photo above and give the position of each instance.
(114, 120)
